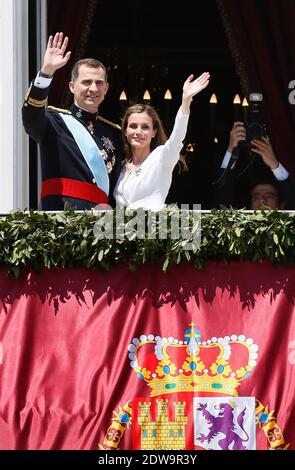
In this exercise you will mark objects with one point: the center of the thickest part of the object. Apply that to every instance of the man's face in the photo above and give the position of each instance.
(90, 88)
(264, 195)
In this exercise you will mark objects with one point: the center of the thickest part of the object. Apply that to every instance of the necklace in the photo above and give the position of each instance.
(130, 168)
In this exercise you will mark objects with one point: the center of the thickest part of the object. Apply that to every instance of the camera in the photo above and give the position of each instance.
(255, 127)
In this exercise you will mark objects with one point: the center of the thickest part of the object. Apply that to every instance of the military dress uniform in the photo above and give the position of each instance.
(66, 177)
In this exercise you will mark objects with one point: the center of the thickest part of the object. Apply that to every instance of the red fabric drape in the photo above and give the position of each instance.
(74, 19)
(261, 36)
(68, 338)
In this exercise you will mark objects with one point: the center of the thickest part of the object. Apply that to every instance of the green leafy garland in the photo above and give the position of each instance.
(36, 240)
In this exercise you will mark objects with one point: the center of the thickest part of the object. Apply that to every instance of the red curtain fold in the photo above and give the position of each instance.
(74, 18)
(261, 36)
(68, 377)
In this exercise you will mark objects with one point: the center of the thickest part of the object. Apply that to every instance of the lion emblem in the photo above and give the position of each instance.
(224, 423)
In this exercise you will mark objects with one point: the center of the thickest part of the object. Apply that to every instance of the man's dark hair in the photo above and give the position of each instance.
(263, 181)
(93, 63)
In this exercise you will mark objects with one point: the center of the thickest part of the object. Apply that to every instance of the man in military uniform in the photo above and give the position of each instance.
(80, 151)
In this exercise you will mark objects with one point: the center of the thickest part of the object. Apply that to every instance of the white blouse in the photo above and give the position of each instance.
(148, 185)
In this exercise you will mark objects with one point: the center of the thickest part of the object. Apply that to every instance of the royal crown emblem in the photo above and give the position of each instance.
(169, 365)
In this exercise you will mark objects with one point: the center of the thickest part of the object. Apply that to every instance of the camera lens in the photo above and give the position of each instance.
(255, 127)
(255, 130)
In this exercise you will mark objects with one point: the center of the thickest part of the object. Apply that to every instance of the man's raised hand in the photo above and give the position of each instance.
(55, 56)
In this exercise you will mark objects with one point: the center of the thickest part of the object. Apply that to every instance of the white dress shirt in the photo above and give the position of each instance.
(280, 172)
(148, 185)
(42, 82)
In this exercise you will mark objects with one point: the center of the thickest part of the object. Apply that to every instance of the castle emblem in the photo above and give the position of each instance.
(162, 433)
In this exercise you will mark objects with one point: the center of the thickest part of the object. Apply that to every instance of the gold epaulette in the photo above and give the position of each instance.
(110, 123)
(59, 110)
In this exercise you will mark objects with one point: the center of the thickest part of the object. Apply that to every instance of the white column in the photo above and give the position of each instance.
(6, 106)
(21, 72)
(14, 150)
(41, 35)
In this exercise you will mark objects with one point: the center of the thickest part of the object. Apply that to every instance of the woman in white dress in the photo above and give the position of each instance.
(146, 175)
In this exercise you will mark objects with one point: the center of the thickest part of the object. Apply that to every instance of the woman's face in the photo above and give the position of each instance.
(139, 131)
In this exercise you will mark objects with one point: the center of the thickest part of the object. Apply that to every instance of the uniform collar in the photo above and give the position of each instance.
(82, 114)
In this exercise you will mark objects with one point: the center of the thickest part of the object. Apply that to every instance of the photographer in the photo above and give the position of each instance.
(275, 189)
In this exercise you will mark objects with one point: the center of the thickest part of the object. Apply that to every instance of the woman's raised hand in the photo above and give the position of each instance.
(191, 87)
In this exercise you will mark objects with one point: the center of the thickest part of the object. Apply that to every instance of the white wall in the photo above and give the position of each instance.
(14, 167)
(14, 82)
(6, 106)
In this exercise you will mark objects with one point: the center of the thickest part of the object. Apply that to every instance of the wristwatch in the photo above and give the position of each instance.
(44, 75)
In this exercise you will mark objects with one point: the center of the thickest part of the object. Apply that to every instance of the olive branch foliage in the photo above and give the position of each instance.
(37, 240)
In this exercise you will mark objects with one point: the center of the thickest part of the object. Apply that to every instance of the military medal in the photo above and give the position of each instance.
(90, 127)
